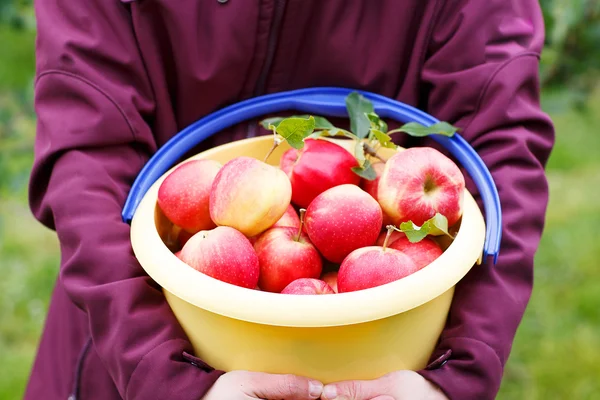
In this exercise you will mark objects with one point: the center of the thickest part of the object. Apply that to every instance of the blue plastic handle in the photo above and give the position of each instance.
(329, 102)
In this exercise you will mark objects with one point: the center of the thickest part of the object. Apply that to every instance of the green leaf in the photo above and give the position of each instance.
(295, 130)
(377, 123)
(418, 130)
(359, 153)
(318, 134)
(439, 225)
(367, 172)
(333, 132)
(358, 108)
(436, 226)
(323, 123)
(413, 232)
(267, 123)
(384, 139)
(320, 122)
(364, 168)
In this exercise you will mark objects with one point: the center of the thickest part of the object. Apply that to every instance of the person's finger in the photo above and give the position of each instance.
(289, 387)
(358, 390)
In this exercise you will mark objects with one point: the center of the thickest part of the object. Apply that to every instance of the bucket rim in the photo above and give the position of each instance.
(277, 309)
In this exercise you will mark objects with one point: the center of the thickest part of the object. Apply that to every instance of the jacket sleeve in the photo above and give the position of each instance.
(95, 106)
(481, 73)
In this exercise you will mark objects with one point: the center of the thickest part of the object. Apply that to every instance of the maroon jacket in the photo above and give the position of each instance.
(116, 79)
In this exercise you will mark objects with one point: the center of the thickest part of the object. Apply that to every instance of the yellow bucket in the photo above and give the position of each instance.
(357, 335)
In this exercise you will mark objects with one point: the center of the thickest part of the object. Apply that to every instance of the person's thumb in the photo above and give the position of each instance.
(357, 390)
(289, 387)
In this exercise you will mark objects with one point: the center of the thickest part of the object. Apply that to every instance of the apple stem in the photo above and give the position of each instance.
(302, 212)
(390, 229)
(276, 142)
(373, 153)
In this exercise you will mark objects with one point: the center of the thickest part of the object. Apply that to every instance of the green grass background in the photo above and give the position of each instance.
(557, 350)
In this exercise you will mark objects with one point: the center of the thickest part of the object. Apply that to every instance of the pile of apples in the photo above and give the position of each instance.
(314, 224)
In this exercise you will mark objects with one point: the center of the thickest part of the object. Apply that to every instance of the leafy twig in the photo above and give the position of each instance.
(369, 150)
(364, 124)
(435, 226)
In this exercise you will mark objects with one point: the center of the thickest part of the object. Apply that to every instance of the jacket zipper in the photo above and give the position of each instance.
(272, 40)
(78, 370)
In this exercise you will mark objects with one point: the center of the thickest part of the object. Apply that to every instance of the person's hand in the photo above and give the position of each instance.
(400, 385)
(244, 385)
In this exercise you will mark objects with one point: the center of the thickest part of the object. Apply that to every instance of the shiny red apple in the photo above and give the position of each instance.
(308, 286)
(249, 195)
(419, 182)
(289, 219)
(318, 166)
(224, 254)
(331, 279)
(373, 266)
(423, 252)
(284, 255)
(371, 187)
(342, 219)
(184, 194)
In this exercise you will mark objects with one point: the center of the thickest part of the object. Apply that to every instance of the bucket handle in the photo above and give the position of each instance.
(329, 102)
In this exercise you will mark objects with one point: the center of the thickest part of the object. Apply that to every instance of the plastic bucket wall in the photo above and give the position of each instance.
(359, 335)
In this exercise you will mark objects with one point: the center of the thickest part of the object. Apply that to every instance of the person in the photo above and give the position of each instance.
(115, 79)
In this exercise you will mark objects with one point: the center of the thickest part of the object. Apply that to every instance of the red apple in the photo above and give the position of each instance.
(224, 254)
(371, 187)
(184, 194)
(342, 219)
(318, 166)
(423, 252)
(419, 182)
(289, 219)
(284, 255)
(373, 266)
(249, 195)
(395, 235)
(331, 279)
(308, 286)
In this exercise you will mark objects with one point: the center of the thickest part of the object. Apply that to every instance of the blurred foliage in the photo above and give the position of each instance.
(17, 61)
(556, 351)
(557, 347)
(29, 260)
(17, 128)
(17, 14)
(571, 57)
